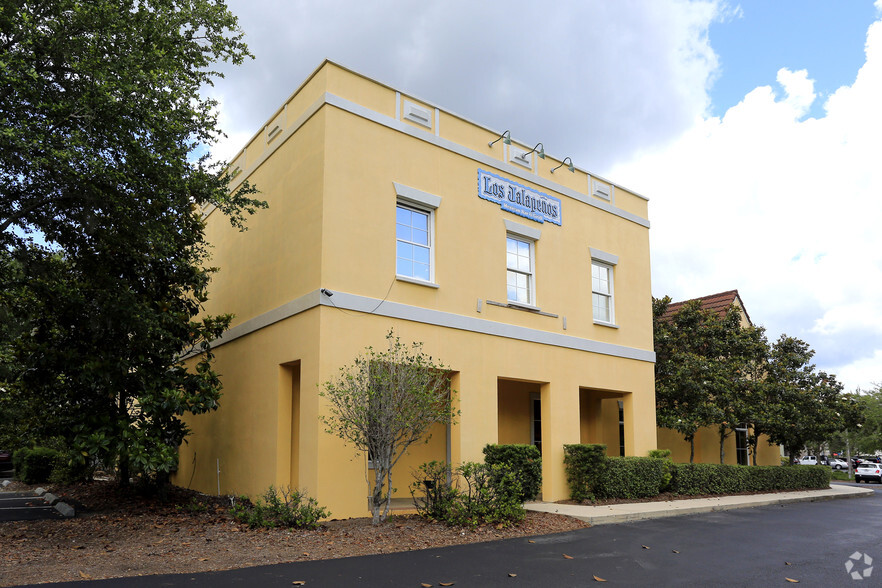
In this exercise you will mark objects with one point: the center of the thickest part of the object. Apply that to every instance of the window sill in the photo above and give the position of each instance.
(416, 281)
(605, 324)
(521, 306)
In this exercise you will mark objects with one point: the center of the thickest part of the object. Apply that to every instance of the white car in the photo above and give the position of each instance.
(837, 464)
(868, 471)
(809, 460)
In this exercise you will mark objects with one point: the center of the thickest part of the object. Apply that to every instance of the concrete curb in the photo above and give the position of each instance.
(638, 511)
(66, 510)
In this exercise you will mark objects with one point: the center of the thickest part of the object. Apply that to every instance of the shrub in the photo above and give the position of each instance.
(525, 461)
(584, 464)
(664, 454)
(281, 507)
(632, 477)
(33, 466)
(660, 453)
(70, 468)
(434, 478)
(713, 478)
(477, 494)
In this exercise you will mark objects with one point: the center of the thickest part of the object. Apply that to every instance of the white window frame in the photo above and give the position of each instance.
(430, 223)
(609, 296)
(608, 262)
(424, 203)
(531, 274)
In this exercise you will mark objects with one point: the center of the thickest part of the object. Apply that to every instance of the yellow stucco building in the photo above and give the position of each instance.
(529, 277)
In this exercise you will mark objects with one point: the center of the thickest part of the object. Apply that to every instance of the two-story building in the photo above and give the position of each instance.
(526, 275)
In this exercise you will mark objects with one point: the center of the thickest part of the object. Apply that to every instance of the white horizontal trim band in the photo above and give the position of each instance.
(356, 303)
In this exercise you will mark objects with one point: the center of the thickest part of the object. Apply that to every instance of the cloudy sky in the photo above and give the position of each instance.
(754, 127)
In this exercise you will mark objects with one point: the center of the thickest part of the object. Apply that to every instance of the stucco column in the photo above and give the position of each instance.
(640, 430)
(476, 424)
(560, 426)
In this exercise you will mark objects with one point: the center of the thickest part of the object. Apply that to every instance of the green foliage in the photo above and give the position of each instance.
(633, 477)
(592, 474)
(282, 507)
(707, 478)
(802, 406)
(477, 494)
(584, 465)
(664, 454)
(524, 460)
(102, 249)
(34, 466)
(867, 438)
(385, 402)
(710, 371)
(70, 468)
(703, 369)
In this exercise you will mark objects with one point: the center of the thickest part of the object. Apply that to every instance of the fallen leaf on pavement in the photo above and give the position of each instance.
(675, 551)
(645, 546)
(512, 575)
(599, 579)
(530, 541)
(567, 556)
(84, 575)
(786, 563)
(424, 585)
(791, 580)
(299, 582)
(446, 583)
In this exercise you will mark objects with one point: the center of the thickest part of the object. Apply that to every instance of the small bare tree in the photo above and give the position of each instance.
(385, 402)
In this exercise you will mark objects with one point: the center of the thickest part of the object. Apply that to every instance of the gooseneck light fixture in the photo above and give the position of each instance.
(540, 153)
(506, 138)
(570, 167)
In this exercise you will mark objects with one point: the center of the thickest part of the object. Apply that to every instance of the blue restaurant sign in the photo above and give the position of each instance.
(519, 199)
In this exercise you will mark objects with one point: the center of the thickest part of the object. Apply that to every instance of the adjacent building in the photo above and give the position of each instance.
(528, 276)
(707, 439)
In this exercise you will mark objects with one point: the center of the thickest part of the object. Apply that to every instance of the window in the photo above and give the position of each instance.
(536, 421)
(621, 428)
(413, 231)
(602, 292)
(519, 277)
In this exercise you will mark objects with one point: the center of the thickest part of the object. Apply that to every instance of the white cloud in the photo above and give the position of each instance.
(784, 208)
(590, 79)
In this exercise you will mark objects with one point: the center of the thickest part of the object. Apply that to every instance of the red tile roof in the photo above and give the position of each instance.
(718, 303)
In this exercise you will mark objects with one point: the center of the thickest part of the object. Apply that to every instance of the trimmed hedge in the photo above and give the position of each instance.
(34, 466)
(633, 477)
(584, 465)
(714, 478)
(524, 461)
(591, 474)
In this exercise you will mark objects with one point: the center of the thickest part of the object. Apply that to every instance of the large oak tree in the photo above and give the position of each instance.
(104, 174)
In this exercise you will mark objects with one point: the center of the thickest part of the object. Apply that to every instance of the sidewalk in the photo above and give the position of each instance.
(636, 511)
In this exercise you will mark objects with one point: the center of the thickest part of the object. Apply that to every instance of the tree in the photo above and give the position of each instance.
(700, 369)
(867, 439)
(101, 225)
(385, 402)
(803, 406)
